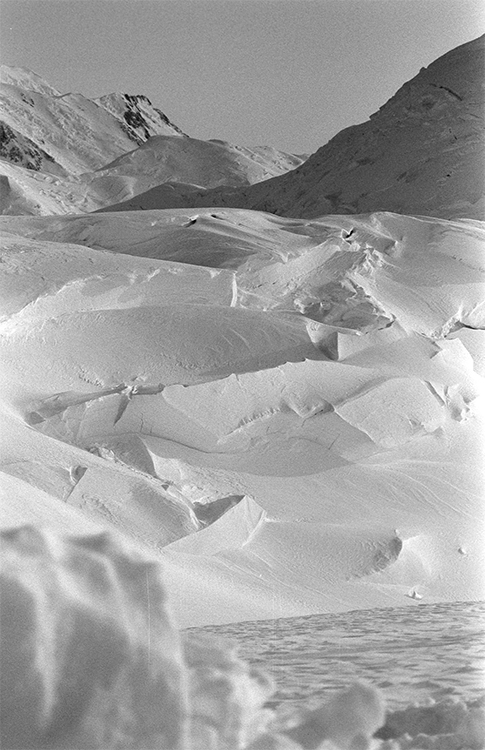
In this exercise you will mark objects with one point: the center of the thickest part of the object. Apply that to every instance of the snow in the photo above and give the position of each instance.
(251, 416)
(91, 658)
(314, 371)
(64, 153)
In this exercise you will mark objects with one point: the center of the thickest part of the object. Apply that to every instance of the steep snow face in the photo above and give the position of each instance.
(17, 149)
(77, 133)
(288, 412)
(421, 153)
(138, 116)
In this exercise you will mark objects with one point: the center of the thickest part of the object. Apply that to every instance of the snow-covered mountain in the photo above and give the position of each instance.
(106, 151)
(423, 152)
(78, 133)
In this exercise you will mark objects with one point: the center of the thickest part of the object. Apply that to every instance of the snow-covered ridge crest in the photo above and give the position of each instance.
(26, 79)
(138, 116)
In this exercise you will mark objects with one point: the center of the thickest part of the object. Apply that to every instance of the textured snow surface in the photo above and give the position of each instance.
(421, 153)
(287, 411)
(91, 659)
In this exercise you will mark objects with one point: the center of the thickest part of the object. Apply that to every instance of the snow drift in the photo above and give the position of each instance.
(288, 412)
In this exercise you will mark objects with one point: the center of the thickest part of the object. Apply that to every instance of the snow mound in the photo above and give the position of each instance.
(90, 657)
(208, 164)
(445, 725)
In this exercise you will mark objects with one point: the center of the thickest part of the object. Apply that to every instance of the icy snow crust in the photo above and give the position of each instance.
(91, 659)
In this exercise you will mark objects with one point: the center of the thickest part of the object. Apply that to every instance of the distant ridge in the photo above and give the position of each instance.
(422, 153)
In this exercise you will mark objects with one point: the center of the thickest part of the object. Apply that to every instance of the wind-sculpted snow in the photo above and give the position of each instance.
(287, 411)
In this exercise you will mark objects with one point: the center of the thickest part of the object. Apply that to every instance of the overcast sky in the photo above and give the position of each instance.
(285, 73)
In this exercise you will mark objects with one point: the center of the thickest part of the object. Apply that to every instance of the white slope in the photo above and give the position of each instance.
(77, 133)
(26, 79)
(422, 153)
(318, 381)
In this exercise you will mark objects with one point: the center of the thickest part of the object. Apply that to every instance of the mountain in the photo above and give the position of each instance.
(423, 152)
(77, 133)
(107, 150)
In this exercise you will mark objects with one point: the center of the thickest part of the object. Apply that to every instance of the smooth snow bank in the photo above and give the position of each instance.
(91, 658)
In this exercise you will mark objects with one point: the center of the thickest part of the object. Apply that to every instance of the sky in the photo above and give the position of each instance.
(287, 73)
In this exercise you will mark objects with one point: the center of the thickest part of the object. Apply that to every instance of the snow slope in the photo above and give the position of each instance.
(421, 153)
(318, 381)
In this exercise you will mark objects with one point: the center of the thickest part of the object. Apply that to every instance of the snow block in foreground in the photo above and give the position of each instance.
(89, 656)
(91, 661)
